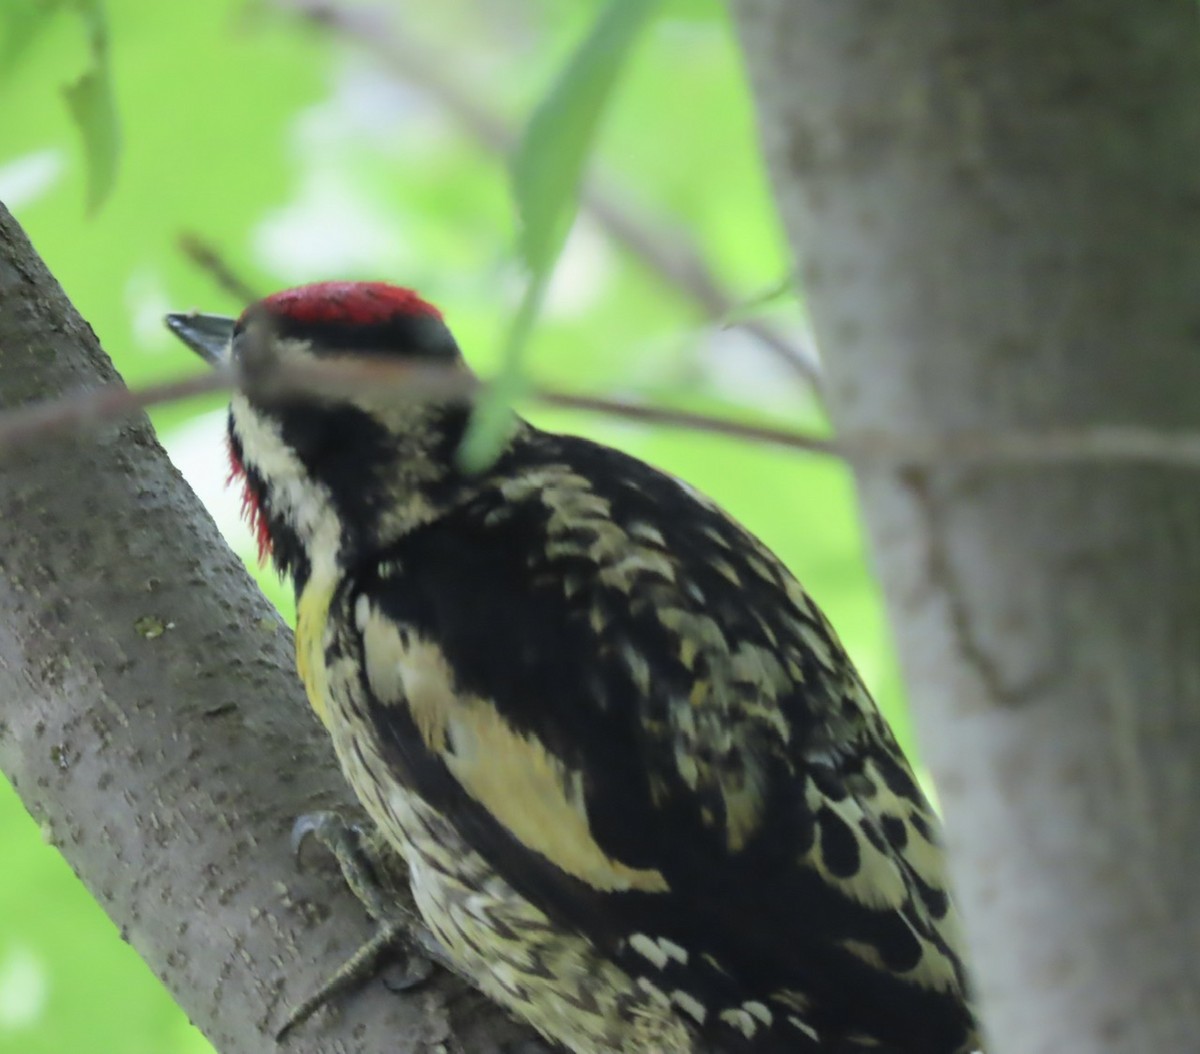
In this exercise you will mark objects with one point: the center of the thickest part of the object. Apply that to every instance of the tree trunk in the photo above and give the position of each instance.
(996, 207)
(152, 723)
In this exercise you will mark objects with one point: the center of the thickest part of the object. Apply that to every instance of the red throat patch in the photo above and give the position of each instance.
(252, 511)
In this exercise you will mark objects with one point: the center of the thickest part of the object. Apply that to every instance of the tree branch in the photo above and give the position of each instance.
(151, 721)
(1098, 445)
(997, 207)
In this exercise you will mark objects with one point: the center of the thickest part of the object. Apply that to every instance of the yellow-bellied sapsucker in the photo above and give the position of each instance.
(643, 796)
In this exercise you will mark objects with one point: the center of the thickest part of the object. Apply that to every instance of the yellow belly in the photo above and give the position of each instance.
(312, 618)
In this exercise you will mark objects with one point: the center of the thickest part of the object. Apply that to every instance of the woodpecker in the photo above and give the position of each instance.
(644, 799)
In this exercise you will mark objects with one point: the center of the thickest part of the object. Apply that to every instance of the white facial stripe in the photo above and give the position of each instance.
(300, 499)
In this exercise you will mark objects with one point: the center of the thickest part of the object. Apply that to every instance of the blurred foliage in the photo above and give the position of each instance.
(299, 155)
(548, 167)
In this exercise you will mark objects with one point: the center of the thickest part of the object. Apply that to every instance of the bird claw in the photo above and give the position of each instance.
(398, 929)
(326, 826)
(417, 970)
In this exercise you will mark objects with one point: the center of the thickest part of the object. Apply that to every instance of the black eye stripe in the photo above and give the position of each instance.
(404, 335)
(420, 336)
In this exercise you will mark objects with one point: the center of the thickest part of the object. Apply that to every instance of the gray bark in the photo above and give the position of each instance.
(152, 723)
(996, 209)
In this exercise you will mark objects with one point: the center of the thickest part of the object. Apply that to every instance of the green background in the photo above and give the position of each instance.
(300, 156)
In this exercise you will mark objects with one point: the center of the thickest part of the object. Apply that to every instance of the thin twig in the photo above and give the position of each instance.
(91, 407)
(1099, 445)
(666, 417)
(206, 256)
(663, 247)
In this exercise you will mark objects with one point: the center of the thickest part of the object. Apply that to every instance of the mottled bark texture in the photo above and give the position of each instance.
(997, 210)
(152, 723)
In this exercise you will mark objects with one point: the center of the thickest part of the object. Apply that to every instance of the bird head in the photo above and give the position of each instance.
(350, 401)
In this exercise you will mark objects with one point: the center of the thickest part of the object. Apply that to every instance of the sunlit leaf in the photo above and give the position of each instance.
(547, 174)
(492, 417)
(93, 107)
(549, 162)
(21, 22)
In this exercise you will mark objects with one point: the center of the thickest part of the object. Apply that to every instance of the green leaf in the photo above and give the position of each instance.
(547, 174)
(493, 417)
(22, 21)
(93, 108)
(549, 162)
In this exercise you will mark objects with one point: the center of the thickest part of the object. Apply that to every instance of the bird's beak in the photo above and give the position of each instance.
(207, 335)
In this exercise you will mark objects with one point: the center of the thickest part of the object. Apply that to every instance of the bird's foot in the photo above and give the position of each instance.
(372, 870)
